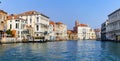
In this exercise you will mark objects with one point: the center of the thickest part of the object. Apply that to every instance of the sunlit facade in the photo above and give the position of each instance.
(39, 22)
(3, 17)
(60, 31)
(84, 31)
(16, 24)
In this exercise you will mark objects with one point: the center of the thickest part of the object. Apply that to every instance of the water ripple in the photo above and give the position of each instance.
(61, 51)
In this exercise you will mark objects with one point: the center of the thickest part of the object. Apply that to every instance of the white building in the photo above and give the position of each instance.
(52, 31)
(60, 31)
(113, 26)
(39, 22)
(84, 31)
(17, 24)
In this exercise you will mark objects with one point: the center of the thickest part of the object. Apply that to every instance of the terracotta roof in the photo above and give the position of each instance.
(32, 13)
(59, 23)
(51, 22)
(29, 13)
(83, 25)
(13, 16)
(3, 11)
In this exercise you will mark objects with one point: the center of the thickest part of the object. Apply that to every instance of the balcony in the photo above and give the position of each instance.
(37, 23)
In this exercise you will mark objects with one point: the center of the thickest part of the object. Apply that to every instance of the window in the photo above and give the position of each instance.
(10, 20)
(18, 32)
(37, 27)
(16, 20)
(17, 25)
(37, 35)
(30, 20)
(84, 30)
(30, 26)
(26, 20)
(37, 19)
(22, 26)
(90, 30)
(10, 26)
(4, 17)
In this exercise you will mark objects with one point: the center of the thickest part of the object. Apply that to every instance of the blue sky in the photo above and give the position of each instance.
(91, 12)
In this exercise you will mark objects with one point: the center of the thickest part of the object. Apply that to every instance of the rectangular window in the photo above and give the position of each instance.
(30, 20)
(17, 26)
(30, 26)
(18, 32)
(22, 26)
(37, 27)
(37, 35)
(10, 26)
(10, 20)
(4, 17)
(16, 20)
(26, 20)
(37, 19)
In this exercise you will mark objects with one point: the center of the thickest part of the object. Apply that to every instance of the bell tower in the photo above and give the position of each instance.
(77, 23)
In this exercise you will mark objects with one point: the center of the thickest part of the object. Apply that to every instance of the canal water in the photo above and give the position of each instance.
(88, 50)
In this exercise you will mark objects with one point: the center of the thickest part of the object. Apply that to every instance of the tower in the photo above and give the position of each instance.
(76, 23)
(76, 26)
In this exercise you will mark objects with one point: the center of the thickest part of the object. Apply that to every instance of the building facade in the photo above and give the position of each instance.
(72, 35)
(84, 31)
(60, 31)
(98, 33)
(38, 21)
(103, 30)
(113, 26)
(3, 17)
(16, 24)
(52, 31)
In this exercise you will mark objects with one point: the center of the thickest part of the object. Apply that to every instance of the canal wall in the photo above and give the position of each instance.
(10, 40)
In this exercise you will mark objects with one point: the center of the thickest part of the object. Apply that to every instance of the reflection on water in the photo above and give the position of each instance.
(61, 51)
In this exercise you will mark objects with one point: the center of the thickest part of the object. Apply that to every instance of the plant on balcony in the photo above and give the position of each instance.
(9, 32)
